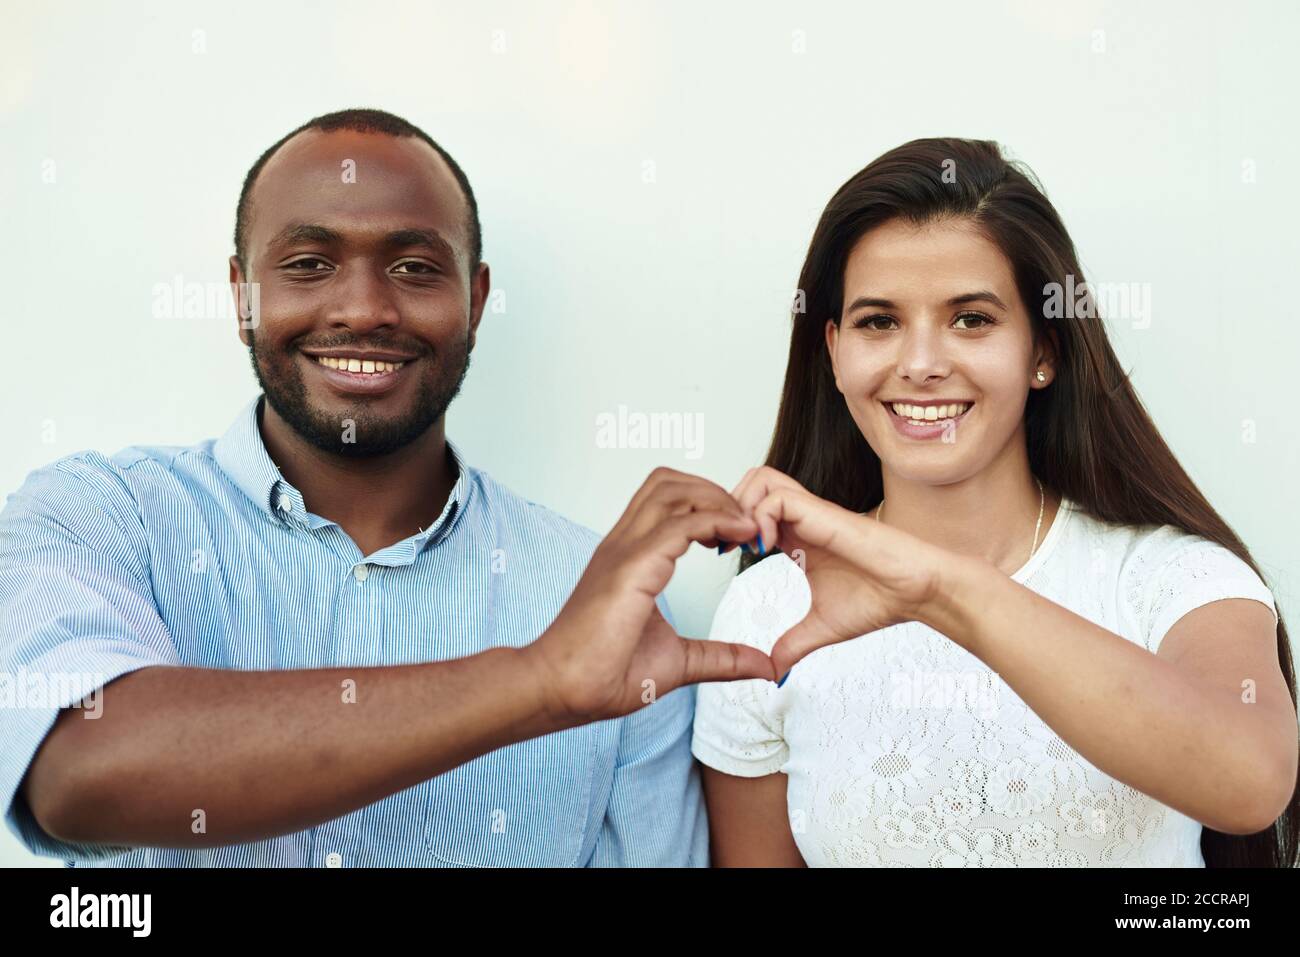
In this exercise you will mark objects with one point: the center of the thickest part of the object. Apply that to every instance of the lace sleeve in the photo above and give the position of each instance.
(1181, 572)
(738, 724)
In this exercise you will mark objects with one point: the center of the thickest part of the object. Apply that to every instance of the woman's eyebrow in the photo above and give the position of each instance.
(982, 295)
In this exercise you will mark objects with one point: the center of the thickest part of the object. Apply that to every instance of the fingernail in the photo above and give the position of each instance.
(782, 681)
(762, 550)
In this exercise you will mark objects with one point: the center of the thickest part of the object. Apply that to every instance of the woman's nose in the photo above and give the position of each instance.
(921, 355)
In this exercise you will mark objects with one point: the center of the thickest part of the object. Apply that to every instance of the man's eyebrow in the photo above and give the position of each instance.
(304, 233)
(314, 233)
(981, 295)
(421, 237)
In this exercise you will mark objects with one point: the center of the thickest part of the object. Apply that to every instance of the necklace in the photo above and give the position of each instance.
(1037, 528)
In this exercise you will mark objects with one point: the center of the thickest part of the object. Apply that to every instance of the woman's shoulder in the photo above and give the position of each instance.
(762, 602)
(777, 575)
(1143, 546)
(1164, 570)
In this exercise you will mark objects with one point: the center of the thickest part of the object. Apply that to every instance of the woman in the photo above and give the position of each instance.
(1069, 658)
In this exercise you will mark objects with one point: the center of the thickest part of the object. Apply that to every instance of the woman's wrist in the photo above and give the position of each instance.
(962, 584)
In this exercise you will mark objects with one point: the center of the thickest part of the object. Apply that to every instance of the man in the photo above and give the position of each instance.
(324, 639)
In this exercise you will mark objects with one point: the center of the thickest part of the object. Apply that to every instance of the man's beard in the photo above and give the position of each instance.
(367, 435)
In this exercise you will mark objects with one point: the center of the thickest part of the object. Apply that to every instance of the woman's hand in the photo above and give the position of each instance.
(863, 575)
(609, 651)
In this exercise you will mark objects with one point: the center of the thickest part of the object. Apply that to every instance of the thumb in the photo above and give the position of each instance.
(723, 661)
(799, 642)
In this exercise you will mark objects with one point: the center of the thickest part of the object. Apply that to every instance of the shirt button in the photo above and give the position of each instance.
(359, 572)
(284, 504)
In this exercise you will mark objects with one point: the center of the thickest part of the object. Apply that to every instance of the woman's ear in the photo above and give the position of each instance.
(1045, 358)
(832, 338)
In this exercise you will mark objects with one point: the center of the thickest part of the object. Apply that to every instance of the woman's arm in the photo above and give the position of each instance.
(1175, 725)
(1179, 726)
(748, 821)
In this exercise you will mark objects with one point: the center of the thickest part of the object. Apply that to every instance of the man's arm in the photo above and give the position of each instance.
(266, 753)
(262, 753)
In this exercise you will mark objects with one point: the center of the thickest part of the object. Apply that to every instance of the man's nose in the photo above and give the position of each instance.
(363, 301)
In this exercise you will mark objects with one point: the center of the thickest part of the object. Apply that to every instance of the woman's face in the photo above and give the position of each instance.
(932, 317)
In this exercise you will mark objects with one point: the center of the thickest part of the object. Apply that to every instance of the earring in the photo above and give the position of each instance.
(1041, 377)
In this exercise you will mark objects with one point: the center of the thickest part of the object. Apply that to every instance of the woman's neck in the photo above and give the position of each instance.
(991, 516)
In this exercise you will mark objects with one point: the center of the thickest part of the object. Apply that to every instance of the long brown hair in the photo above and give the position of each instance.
(1088, 436)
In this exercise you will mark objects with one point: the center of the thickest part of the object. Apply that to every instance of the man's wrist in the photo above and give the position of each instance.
(544, 688)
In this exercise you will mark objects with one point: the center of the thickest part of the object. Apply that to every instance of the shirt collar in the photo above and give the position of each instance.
(242, 455)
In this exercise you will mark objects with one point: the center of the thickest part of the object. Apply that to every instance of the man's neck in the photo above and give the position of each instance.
(379, 500)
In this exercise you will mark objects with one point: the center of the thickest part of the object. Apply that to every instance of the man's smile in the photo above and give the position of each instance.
(359, 373)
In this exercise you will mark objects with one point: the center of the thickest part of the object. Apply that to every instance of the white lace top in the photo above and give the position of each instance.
(904, 750)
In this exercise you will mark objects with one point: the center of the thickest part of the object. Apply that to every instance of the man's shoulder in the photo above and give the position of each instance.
(123, 469)
(532, 519)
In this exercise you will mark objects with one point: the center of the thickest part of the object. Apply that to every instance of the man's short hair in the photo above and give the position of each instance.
(358, 121)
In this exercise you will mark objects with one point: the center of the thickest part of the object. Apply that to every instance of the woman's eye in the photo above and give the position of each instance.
(880, 323)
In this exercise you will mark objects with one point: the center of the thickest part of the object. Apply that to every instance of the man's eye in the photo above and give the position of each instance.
(421, 268)
(298, 264)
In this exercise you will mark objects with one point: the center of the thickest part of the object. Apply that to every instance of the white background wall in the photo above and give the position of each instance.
(663, 296)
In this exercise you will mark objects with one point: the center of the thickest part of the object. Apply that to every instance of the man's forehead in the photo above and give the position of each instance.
(358, 182)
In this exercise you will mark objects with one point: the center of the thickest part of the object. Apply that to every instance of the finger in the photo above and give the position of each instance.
(671, 539)
(793, 512)
(725, 547)
(653, 556)
(656, 478)
(799, 642)
(724, 661)
(677, 497)
(745, 483)
(758, 485)
(744, 480)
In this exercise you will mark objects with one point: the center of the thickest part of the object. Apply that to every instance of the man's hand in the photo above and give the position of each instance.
(609, 652)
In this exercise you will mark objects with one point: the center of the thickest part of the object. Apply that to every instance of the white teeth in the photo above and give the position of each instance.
(365, 366)
(924, 414)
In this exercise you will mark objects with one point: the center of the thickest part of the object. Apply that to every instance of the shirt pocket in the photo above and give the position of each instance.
(525, 805)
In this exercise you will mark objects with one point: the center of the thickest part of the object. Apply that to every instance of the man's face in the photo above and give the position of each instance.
(360, 245)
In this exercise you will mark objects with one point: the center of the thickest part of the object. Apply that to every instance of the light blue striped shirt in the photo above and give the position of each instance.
(204, 556)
